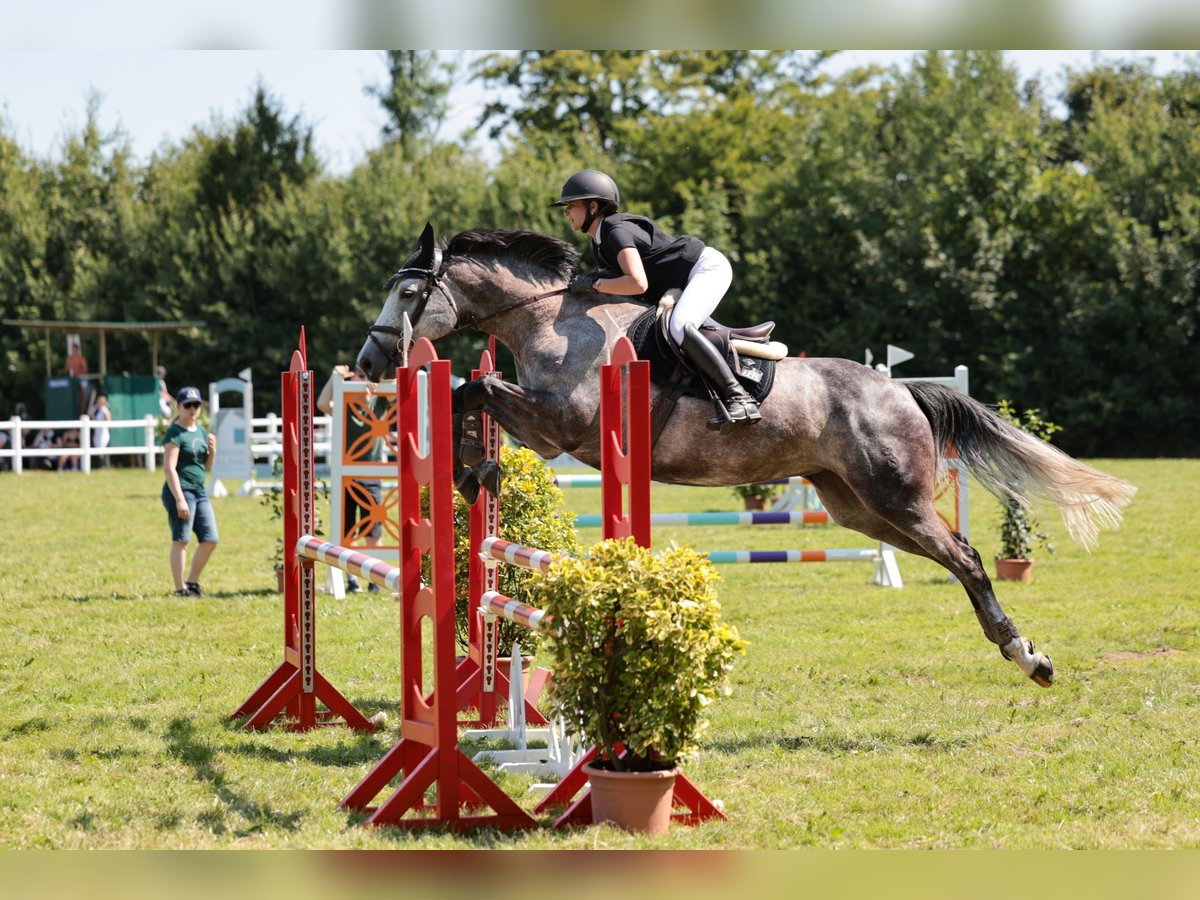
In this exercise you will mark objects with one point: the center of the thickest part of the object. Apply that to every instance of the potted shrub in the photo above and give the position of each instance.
(1020, 531)
(639, 652)
(757, 496)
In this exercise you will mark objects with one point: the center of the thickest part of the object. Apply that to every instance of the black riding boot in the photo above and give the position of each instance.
(735, 407)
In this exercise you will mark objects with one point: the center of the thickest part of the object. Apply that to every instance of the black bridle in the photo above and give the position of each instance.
(433, 280)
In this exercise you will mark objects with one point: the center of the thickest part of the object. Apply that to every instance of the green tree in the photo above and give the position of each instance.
(256, 156)
(415, 97)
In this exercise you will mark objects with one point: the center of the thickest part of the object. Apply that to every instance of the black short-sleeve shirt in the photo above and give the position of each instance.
(667, 260)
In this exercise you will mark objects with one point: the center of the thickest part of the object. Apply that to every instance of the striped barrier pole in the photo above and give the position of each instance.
(494, 550)
(493, 603)
(350, 560)
(692, 520)
(578, 480)
(793, 556)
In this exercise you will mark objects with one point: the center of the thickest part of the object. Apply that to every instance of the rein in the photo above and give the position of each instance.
(433, 279)
(516, 304)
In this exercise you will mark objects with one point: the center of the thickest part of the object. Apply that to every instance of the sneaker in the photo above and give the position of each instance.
(193, 588)
(352, 586)
(183, 592)
(372, 588)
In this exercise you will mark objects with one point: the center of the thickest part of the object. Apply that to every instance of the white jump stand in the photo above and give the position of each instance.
(561, 753)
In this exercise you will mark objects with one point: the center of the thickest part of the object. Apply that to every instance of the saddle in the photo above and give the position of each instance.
(749, 352)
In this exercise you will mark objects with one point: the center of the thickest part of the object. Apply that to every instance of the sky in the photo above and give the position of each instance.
(155, 95)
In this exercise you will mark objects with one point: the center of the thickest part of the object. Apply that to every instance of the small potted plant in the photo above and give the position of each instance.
(756, 496)
(1020, 531)
(639, 652)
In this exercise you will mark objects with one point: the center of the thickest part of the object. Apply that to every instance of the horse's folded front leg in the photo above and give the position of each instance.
(482, 471)
(464, 479)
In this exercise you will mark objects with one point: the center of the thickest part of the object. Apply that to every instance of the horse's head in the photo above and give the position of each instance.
(414, 291)
(500, 272)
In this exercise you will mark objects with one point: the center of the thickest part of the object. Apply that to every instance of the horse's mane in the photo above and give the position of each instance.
(532, 247)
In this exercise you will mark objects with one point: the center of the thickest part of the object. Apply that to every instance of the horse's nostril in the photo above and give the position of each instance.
(364, 364)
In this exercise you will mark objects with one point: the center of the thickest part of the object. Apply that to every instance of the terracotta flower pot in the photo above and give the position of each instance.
(1014, 570)
(754, 503)
(635, 801)
(279, 581)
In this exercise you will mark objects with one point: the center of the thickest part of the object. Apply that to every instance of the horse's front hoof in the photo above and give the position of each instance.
(1043, 675)
(467, 486)
(488, 474)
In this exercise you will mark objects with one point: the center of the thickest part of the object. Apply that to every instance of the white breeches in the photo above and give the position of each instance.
(707, 283)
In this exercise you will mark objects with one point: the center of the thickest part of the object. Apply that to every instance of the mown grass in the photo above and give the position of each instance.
(861, 717)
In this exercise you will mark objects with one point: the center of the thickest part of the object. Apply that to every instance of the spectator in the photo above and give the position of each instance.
(166, 404)
(100, 434)
(45, 440)
(77, 367)
(188, 453)
(69, 441)
(76, 362)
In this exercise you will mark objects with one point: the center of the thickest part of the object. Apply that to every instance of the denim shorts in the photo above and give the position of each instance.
(201, 518)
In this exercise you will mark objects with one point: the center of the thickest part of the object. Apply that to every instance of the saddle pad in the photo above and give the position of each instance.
(757, 376)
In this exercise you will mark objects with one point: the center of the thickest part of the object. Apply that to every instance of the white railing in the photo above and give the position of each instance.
(266, 440)
(17, 453)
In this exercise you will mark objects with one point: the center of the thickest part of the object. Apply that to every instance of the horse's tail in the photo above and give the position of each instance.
(1012, 463)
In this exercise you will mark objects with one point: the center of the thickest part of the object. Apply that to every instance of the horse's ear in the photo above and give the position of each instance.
(428, 242)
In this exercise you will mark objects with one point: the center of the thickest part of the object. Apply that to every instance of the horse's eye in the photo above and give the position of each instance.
(409, 292)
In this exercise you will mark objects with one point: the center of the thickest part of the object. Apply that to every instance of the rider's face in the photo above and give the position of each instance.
(576, 212)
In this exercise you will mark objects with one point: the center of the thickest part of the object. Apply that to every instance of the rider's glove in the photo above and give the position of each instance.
(584, 282)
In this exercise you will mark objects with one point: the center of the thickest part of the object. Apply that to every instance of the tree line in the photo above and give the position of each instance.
(1052, 244)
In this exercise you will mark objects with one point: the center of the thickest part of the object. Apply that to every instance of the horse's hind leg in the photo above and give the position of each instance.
(916, 528)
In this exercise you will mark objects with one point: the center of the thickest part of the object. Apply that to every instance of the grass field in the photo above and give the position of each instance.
(861, 717)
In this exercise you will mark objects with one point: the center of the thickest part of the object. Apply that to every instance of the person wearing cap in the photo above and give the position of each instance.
(634, 257)
(188, 453)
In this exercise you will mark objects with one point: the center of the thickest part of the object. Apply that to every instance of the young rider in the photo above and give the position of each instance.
(635, 257)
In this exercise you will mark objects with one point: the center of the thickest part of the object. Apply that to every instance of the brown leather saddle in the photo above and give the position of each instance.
(749, 352)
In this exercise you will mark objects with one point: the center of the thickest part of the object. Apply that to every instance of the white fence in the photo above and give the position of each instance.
(266, 441)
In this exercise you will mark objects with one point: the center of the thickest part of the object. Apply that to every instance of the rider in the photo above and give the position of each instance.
(635, 257)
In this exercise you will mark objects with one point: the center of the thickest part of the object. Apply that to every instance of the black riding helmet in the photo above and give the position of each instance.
(591, 185)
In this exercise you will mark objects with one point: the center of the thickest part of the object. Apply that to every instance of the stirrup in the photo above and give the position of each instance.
(726, 422)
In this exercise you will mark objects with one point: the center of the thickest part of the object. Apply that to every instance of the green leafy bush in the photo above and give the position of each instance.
(640, 650)
(533, 512)
(1020, 531)
(767, 492)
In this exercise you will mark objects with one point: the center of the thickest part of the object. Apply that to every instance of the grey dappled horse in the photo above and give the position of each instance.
(872, 447)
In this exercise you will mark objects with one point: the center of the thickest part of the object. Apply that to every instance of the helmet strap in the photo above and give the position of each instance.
(589, 216)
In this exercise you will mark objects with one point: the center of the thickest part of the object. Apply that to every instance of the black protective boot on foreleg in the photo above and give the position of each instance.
(736, 407)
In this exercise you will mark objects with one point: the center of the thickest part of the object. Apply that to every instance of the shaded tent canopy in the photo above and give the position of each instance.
(153, 329)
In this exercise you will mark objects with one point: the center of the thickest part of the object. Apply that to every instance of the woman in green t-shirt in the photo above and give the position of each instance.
(188, 452)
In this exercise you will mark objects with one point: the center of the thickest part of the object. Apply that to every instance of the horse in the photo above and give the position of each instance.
(872, 447)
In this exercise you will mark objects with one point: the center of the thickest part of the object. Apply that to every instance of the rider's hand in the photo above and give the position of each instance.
(584, 282)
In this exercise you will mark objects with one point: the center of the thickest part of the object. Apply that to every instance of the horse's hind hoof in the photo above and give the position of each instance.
(1043, 675)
